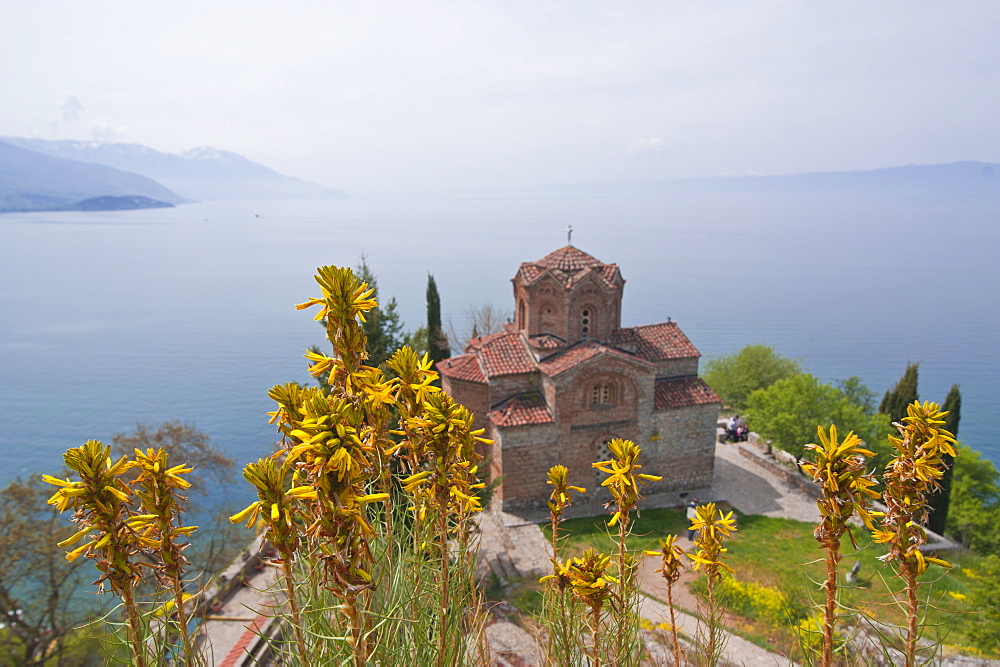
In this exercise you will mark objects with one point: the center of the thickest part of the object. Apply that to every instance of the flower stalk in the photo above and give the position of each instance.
(560, 639)
(157, 487)
(671, 568)
(623, 482)
(100, 503)
(712, 528)
(909, 479)
(839, 469)
(276, 508)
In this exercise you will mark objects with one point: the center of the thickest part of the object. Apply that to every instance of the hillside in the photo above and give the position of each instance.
(200, 173)
(30, 181)
(965, 179)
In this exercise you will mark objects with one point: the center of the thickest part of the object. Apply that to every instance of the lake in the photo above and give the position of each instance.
(108, 319)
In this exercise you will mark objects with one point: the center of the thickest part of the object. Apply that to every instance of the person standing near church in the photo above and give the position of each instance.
(692, 513)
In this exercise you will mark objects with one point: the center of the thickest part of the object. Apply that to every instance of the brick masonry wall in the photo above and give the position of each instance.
(681, 447)
(523, 455)
(678, 444)
(505, 386)
(474, 396)
(604, 305)
(633, 383)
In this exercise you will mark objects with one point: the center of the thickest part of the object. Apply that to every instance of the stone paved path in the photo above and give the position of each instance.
(737, 651)
(517, 546)
(752, 489)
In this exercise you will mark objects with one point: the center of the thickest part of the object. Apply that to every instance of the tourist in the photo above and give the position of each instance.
(692, 512)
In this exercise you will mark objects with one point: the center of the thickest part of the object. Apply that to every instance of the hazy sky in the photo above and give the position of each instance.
(371, 96)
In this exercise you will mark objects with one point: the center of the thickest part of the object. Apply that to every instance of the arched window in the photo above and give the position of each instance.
(603, 452)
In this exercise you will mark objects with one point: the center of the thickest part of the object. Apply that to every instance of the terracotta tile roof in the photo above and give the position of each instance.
(577, 354)
(546, 342)
(683, 392)
(504, 353)
(465, 367)
(521, 410)
(480, 341)
(569, 266)
(656, 342)
(571, 279)
(568, 258)
(531, 271)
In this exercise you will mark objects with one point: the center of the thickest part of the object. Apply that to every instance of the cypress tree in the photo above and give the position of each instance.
(940, 501)
(903, 394)
(437, 343)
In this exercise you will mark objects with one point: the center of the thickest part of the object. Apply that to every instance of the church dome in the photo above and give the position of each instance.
(568, 265)
(568, 259)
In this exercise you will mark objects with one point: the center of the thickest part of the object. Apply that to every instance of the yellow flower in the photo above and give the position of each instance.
(75, 537)
(249, 514)
(624, 479)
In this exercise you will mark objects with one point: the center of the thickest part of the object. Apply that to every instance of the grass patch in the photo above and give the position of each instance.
(648, 528)
(526, 596)
(781, 554)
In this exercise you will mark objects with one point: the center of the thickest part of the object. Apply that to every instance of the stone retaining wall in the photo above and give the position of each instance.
(793, 478)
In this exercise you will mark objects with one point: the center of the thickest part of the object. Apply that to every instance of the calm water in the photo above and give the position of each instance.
(107, 319)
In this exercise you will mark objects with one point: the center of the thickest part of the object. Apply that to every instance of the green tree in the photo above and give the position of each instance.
(974, 510)
(937, 520)
(985, 599)
(858, 393)
(417, 341)
(787, 412)
(40, 592)
(382, 326)
(736, 376)
(437, 342)
(903, 394)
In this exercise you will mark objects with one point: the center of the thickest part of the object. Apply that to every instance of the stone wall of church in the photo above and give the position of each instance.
(630, 393)
(472, 395)
(671, 368)
(505, 386)
(678, 444)
(584, 445)
(682, 448)
(594, 312)
(523, 455)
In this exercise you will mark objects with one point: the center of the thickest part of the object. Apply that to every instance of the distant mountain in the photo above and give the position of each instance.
(200, 173)
(964, 177)
(30, 181)
(126, 203)
(958, 179)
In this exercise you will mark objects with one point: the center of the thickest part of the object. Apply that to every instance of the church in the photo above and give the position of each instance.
(564, 378)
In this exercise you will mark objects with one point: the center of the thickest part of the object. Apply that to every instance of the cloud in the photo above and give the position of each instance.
(102, 130)
(70, 108)
(650, 146)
